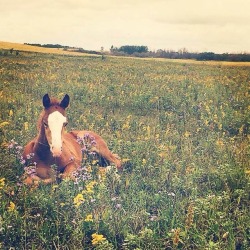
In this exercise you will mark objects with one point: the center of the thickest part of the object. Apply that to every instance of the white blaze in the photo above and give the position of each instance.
(55, 123)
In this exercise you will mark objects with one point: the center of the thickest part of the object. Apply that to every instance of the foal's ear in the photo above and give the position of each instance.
(46, 101)
(65, 102)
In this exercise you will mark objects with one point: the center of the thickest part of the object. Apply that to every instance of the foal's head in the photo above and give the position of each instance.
(54, 121)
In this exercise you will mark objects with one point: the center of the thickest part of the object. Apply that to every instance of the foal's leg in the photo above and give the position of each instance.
(69, 171)
(34, 180)
(101, 148)
(44, 174)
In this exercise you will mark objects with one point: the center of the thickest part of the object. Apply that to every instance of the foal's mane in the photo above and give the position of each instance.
(53, 102)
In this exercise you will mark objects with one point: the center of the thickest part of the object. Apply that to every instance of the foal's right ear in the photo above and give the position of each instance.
(46, 101)
(65, 102)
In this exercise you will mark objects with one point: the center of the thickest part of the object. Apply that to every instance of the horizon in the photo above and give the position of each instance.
(107, 50)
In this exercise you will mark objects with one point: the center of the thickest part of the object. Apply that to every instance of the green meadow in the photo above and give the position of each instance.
(181, 129)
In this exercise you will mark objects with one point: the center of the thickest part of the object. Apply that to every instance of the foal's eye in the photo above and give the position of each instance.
(65, 124)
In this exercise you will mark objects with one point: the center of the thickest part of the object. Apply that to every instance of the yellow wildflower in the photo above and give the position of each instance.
(124, 160)
(225, 235)
(126, 125)
(78, 200)
(163, 154)
(89, 169)
(4, 124)
(97, 238)
(144, 161)
(89, 187)
(11, 207)
(26, 126)
(89, 218)
(148, 131)
(187, 134)
(54, 187)
(102, 173)
(2, 183)
(11, 113)
(219, 143)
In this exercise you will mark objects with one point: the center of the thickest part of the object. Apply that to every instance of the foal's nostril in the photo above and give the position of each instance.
(56, 151)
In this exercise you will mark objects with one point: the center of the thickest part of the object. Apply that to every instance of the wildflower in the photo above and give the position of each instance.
(148, 131)
(89, 218)
(4, 124)
(78, 200)
(11, 113)
(144, 161)
(26, 126)
(29, 156)
(2, 183)
(171, 194)
(126, 125)
(153, 218)
(225, 235)
(189, 170)
(247, 172)
(89, 187)
(190, 216)
(118, 206)
(30, 170)
(82, 173)
(162, 154)
(54, 187)
(11, 207)
(87, 141)
(97, 238)
(176, 236)
(187, 134)
(219, 143)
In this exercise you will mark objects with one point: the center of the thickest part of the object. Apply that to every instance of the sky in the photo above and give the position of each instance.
(220, 26)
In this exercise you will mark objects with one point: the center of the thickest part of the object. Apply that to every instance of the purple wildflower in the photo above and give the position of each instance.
(81, 174)
(30, 170)
(118, 206)
(87, 142)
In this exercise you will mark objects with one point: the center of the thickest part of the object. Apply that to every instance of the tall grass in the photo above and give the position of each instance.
(181, 129)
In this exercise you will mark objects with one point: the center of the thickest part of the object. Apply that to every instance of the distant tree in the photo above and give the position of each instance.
(206, 56)
(128, 49)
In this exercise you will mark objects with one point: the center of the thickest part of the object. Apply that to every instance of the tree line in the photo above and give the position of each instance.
(142, 51)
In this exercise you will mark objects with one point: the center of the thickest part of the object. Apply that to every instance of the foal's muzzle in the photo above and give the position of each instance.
(56, 151)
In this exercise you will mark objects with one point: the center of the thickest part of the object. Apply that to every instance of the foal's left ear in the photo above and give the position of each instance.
(65, 102)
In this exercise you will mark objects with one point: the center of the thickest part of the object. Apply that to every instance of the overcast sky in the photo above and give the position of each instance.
(198, 25)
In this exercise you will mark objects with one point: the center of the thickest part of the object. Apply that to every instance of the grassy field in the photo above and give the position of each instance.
(182, 130)
(7, 46)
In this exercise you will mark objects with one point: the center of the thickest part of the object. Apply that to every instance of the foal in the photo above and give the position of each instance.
(53, 145)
